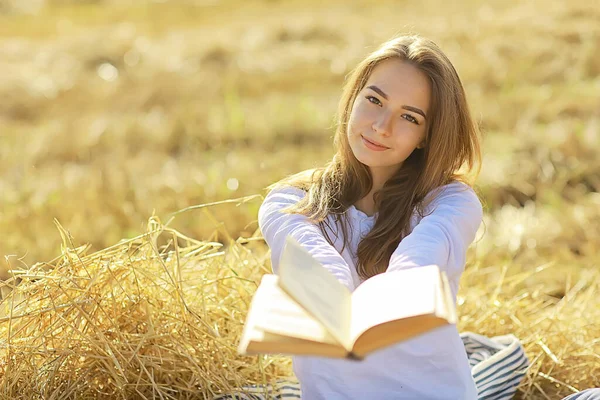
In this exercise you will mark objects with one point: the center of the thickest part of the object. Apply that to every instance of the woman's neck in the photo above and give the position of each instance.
(367, 203)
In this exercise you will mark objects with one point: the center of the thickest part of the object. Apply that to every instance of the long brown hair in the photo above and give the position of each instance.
(451, 153)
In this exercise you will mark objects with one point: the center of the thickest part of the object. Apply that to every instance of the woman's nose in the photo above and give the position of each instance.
(382, 125)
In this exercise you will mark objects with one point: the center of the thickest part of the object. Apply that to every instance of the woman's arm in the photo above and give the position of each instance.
(276, 225)
(443, 236)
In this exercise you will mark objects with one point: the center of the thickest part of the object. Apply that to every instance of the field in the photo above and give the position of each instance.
(113, 112)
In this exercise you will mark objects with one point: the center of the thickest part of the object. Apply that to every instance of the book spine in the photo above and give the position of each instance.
(353, 356)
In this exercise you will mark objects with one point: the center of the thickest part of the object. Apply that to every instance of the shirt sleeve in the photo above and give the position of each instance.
(275, 225)
(443, 235)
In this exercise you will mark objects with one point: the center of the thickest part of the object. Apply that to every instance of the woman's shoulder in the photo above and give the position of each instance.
(285, 190)
(456, 192)
(279, 196)
(458, 187)
(294, 185)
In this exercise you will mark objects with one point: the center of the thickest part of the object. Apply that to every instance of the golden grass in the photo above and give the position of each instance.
(140, 319)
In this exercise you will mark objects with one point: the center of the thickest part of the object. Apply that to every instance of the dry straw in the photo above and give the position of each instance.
(160, 315)
(157, 316)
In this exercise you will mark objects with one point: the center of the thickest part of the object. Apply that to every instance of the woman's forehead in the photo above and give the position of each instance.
(401, 82)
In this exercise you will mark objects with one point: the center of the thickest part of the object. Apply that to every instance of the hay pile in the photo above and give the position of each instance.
(140, 319)
(159, 316)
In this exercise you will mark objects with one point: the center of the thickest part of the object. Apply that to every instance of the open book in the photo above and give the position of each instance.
(305, 310)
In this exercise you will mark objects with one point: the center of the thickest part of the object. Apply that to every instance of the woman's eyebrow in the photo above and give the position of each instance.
(409, 108)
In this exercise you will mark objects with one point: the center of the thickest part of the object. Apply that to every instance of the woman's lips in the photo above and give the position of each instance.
(373, 146)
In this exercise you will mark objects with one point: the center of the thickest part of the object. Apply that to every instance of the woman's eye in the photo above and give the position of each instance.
(373, 100)
(410, 118)
(407, 117)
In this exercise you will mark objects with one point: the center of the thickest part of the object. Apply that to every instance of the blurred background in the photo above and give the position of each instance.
(113, 110)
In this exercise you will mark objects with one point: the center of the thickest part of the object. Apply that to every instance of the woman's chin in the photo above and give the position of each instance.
(368, 161)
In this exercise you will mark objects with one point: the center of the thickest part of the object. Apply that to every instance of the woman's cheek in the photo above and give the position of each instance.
(360, 114)
(353, 122)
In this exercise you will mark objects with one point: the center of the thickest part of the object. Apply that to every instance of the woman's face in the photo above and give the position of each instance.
(389, 117)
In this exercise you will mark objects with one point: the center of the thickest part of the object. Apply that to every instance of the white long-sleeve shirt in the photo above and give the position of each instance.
(431, 366)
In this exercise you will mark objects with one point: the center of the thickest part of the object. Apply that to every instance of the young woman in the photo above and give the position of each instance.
(397, 194)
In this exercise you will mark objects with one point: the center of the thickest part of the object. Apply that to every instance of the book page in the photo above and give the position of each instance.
(277, 313)
(273, 315)
(394, 296)
(270, 343)
(394, 332)
(316, 289)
